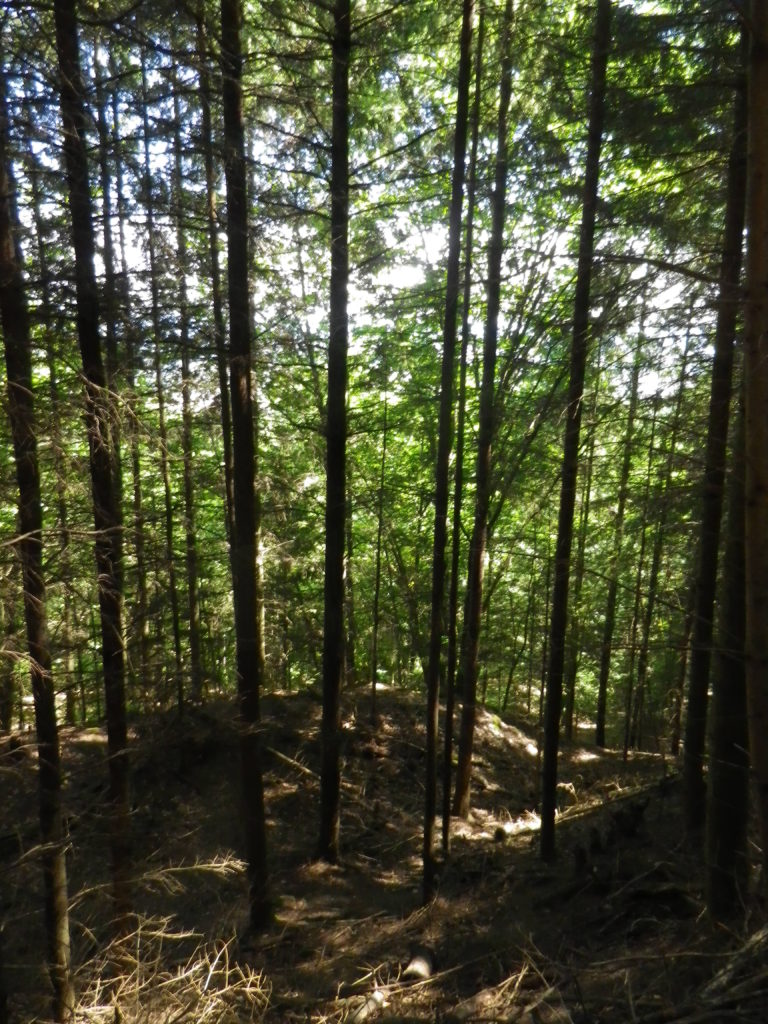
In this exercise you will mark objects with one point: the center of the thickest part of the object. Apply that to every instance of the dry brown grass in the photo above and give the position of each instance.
(613, 931)
(134, 981)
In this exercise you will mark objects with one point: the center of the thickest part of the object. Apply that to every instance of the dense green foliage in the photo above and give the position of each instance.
(671, 77)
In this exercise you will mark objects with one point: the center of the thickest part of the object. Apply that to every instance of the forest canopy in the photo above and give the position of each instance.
(152, 84)
(375, 344)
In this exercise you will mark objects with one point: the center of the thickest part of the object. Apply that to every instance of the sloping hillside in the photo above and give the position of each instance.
(613, 930)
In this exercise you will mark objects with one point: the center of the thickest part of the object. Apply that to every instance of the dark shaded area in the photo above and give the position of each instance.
(615, 922)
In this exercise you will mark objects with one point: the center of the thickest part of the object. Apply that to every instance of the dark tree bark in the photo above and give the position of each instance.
(633, 724)
(636, 725)
(244, 547)
(215, 272)
(756, 404)
(729, 297)
(157, 333)
(728, 776)
(336, 439)
(140, 616)
(106, 510)
(575, 631)
(458, 473)
(109, 307)
(445, 427)
(579, 347)
(17, 344)
(571, 669)
(62, 510)
(487, 427)
(190, 534)
(640, 570)
(7, 680)
(609, 619)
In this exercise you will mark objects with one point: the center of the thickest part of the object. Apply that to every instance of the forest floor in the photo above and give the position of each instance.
(614, 930)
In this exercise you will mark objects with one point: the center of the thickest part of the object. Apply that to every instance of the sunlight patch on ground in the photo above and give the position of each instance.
(390, 878)
(482, 825)
(529, 821)
(512, 736)
(583, 756)
(91, 736)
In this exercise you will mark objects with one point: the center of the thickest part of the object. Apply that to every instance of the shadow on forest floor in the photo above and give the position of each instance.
(613, 930)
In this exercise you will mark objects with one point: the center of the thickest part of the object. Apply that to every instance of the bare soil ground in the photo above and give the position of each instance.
(614, 930)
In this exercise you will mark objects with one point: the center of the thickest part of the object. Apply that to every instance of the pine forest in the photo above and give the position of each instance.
(384, 511)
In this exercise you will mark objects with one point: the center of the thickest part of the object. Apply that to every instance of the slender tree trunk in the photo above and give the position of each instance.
(458, 475)
(728, 776)
(545, 637)
(81, 677)
(46, 309)
(350, 634)
(244, 548)
(635, 735)
(7, 681)
(487, 427)
(636, 727)
(109, 308)
(111, 296)
(445, 425)
(17, 344)
(636, 731)
(614, 571)
(579, 348)
(215, 272)
(336, 437)
(68, 615)
(574, 633)
(636, 607)
(261, 650)
(261, 653)
(756, 404)
(714, 472)
(190, 534)
(140, 614)
(157, 333)
(286, 652)
(107, 518)
(377, 572)
(486, 615)
(682, 670)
